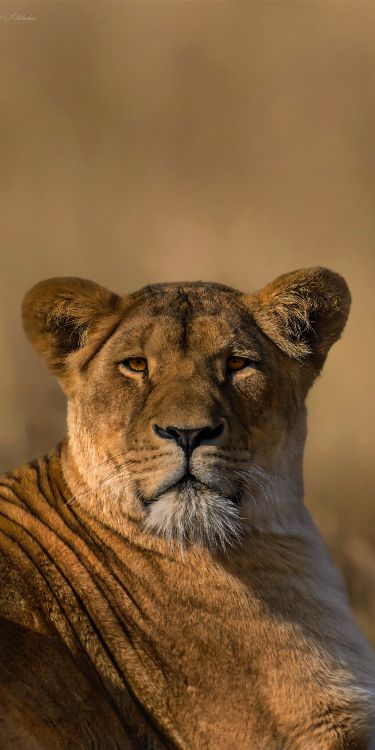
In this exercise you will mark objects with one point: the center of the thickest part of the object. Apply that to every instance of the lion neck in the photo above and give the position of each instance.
(185, 600)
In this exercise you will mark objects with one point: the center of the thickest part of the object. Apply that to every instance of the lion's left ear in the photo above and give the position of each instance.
(303, 312)
(58, 313)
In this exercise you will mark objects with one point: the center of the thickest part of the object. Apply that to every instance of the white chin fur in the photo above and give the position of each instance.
(195, 515)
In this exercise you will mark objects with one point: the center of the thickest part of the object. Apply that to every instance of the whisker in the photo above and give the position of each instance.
(99, 485)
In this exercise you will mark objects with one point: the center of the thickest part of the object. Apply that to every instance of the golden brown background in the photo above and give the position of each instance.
(227, 141)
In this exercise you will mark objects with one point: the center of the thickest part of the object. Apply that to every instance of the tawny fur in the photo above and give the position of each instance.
(142, 611)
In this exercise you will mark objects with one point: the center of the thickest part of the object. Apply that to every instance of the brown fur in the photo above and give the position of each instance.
(142, 611)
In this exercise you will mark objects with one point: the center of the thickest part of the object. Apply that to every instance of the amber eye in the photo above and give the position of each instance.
(237, 363)
(137, 364)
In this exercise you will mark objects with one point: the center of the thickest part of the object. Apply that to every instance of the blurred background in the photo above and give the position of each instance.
(225, 141)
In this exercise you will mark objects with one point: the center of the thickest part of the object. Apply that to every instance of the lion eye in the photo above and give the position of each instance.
(137, 364)
(237, 363)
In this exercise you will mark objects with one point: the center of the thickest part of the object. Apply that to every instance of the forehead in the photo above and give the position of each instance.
(208, 316)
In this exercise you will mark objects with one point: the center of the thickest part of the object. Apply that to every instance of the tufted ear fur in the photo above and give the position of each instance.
(58, 313)
(303, 312)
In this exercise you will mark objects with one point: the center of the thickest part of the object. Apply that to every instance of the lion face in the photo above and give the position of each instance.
(180, 404)
(186, 401)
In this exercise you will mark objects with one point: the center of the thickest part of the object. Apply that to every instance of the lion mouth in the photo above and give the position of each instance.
(183, 488)
(187, 482)
(190, 482)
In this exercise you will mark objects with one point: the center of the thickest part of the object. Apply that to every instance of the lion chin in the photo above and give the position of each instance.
(190, 512)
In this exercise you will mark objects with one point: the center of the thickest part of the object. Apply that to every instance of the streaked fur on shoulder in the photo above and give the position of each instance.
(163, 584)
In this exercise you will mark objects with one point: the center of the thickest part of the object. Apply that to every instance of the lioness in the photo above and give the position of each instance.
(163, 585)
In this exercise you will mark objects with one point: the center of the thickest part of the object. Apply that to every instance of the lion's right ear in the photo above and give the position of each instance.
(58, 313)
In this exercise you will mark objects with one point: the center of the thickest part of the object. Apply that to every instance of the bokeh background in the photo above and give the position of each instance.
(227, 141)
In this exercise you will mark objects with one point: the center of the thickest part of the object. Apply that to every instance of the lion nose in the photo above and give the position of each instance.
(191, 438)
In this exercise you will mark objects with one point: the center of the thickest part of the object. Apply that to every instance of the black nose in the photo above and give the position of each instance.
(190, 439)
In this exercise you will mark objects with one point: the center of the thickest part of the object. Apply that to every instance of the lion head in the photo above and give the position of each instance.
(186, 400)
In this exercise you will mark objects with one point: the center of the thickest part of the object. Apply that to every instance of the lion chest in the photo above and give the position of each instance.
(190, 643)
